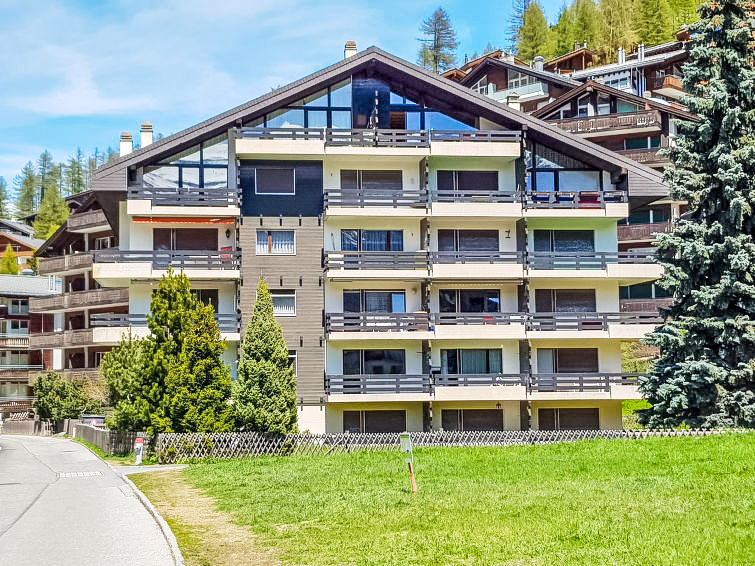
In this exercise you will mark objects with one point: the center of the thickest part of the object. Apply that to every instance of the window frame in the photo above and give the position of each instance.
(283, 293)
(267, 168)
(269, 243)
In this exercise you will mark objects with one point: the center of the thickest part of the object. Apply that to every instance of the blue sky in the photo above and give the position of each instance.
(76, 74)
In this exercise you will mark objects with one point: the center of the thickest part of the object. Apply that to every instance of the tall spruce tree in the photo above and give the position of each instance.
(516, 19)
(9, 262)
(53, 211)
(654, 22)
(264, 395)
(46, 175)
(438, 51)
(26, 191)
(4, 199)
(74, 173)
(705, 374)
(532, 38)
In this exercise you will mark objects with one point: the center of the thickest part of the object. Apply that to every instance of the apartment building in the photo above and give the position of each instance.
(437, 260)
(20, 361)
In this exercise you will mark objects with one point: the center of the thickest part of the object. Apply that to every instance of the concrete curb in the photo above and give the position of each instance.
(170, 538)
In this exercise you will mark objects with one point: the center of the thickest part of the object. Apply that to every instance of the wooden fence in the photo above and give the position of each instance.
(111, 442)
(171, 448)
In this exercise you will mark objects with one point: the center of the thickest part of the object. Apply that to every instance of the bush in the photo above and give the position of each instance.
(58, 398)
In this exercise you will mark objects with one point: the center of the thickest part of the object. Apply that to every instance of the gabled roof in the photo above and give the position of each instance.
(28, 241)
(489, 63)
(438, 92)
(571, 54)
(648, 61)
(15, 226)
(628, 96)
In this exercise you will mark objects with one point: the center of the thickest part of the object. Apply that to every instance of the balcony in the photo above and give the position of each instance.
(583, 382)
(644, 305)
(90, 221)
(612, 203)
(375, 202)
(168, 201)
(642, 232)
(62, 339)
(361, 325)
(476, 203)
(117, 268)
(649, 155)
(321, 141)
(14, 341)
(18, 372)
(227, 323)
(603, 325)
(670, 86)
(630, 267)
(79, 300)
(645, 121)
(382, 384)
(478, 325)
(62, 265)
(377, 265)
(477, 265)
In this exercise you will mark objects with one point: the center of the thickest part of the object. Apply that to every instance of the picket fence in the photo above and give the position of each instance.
(171, 448)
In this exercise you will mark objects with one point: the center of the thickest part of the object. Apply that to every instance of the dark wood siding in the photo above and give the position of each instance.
(302, 272)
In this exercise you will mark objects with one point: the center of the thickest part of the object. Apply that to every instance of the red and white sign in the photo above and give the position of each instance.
(138, 441)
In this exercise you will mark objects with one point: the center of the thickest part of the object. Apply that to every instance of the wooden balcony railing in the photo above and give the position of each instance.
(377, 321)
(644, 305)
(14, 341)
(178, 259)
(573, 199)
(649, 155)
(668, 81)
(475, 135)
(478, 318)
(370, 383)
(61, 264)
(87, 220)
(63, 339)
(376, 260)
(79, 299)
(546, 321)
(474, 195)
(635, 232)
(629, 120)
(226, 322)
(476, 257)
(375, 197)
(185, 196)
(479, 379)
(584, 260)
(579, 382)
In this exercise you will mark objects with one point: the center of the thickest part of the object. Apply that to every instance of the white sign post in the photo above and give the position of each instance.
(405, 445)
(138, 450)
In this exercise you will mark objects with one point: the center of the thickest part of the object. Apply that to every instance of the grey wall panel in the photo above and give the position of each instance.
(301, 273)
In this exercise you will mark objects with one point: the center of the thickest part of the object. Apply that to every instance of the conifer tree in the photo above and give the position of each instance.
(585, 22)
(57, 398)
(532, 38)
(4, 199)
(46, 176)
(438, 51)
(26, 187)
(53, 211)
(124, 370)
(616, 18)
(264, 395)
(684, 12)
(705, 374)
(654, 22)
(518, 8)
(563, 32)
(74, 173)
(9, 263)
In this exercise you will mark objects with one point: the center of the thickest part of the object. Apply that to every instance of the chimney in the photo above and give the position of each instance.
(146, 134)
(622, 56)
(512, 101)
(576, 45)
(126, 145)
(641, 52)
(538, 61)
(349, 49)
(584, 44)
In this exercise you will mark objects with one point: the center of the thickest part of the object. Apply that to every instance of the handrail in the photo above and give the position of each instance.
(375, 260)
(641, 119)
(471, 194)
(227, 322)
(479, 379)
(573, 199)
(375, 197)
(474, 256)
(475, 135)
(181, 259)
(547, 321)
(584, 381)
(187, 196)
(477, 318)
(584, 260)
(377, 383)
(376, 321)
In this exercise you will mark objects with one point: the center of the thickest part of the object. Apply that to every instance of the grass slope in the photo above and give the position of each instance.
(654, 501)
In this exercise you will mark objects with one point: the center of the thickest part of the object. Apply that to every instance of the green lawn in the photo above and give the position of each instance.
(656, 501)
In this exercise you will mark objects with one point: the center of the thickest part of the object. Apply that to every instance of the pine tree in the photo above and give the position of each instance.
(518, 8)
(563, 32)
(26, 187)
(53, 211)
(654, 23)
(705, 374)
(46, 176)
(532, 37)
(585, 22)
(9, 264)
(124, 370)
(438, 51)
(4, 199)
(264, 394)
(684, 12)
(74, 173)
(616, 28)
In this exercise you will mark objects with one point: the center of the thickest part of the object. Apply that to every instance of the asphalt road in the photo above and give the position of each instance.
(61, 505)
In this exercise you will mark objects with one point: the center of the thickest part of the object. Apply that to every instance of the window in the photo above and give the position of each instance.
(275, 242)
(623, 107)
(284, 303)
(467, 240)
(14, 358)
(372, 240)
(203, 165)
(208, 297)
(98, 357)
(567, 360)
(371, 180)
(583, 105)
(18, 306)
(481, 86)
(518, 80)
(185, 239)
(14, 327)
(568, 419)
(564, 240)
(374, 301)
(374, 421)
(604, 104)
(643, 291)
(292, 361)
(565, 300)
(550, 170)
(103, 243)
(326, 108)
(469, 300)
(374, 362)
(646, 142)
(475, 182)
(471, 419)
(470, 361)
(274, 181)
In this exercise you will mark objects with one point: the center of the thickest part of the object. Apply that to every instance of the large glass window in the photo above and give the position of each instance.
(565, 300)
(185, 239)
(274, 181)
(372, 240)
(550, 170)
(472, 181)
(374, 301)
(469, 300)
(203, 165)
(374, 362)
(470, 361)
(275, 242)
(567, 360)
(388, 180)
(467, 240)
(564, 240)
(208, 297)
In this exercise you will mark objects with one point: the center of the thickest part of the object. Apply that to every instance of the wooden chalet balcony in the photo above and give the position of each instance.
(61, 264)
(17, 371)
(573, 199)
(86, 221)
(377, 321)
(372, 383)
(177, 259)
(546, 321)
(610, 122)
(79, 299)
(185, 196)
(479, 379)
(16, 404)
(644, 305)
(585, 260)
(579, 382)
(362, 198)
(668, 81)
(641, 232)
(649, 155)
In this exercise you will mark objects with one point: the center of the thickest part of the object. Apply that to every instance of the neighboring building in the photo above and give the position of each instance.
(577, 59)
(85, 319)
(20, 363)
(425, 272)
(21, 239)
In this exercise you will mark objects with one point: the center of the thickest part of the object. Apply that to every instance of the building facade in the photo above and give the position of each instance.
(425, 271)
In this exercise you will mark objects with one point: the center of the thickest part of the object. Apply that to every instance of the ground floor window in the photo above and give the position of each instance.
(568, 419)
(471, 419)
(374, 421)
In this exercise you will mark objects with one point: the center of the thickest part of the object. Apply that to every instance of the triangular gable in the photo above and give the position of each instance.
(546, 76)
